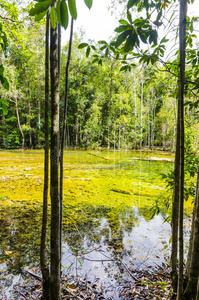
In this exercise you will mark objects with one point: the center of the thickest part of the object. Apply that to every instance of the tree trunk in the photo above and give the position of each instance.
(55, 292)
(182, 46)
(135, 113)
(63, 137)
(44, 266)
(193, 270)
(19, 123)
(142, 84)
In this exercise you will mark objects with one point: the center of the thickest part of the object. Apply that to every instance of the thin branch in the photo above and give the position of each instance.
(9, 19)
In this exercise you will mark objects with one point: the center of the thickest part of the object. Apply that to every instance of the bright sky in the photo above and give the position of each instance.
(98, 23)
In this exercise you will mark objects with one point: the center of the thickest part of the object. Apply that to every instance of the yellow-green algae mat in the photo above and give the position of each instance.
(114, 179)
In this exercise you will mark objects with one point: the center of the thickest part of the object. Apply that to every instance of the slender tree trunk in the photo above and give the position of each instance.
(19, 123)
(43, 263)
(29, 122)
(63, 136)
(193, 268)
(182, 46)
(142, 86)
(3, 130)
(135, 96)
(55, 292)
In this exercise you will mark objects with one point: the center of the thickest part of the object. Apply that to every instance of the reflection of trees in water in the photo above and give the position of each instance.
(20, 235)
(99, 225)
(87, 227)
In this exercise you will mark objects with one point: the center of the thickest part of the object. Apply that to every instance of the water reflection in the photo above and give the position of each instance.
(105, 220)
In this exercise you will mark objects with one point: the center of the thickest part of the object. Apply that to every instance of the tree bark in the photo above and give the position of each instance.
(142, 87)
(63, 137)
(19, 123)
(182, 45)
(193, 271)
(55, 292)
(43, 263)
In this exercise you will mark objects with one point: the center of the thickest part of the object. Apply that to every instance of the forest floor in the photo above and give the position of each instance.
(144, 284)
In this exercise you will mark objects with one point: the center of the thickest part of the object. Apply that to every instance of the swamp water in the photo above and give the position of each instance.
(106, 225)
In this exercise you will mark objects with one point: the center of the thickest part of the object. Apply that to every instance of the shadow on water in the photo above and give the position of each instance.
(105, 226)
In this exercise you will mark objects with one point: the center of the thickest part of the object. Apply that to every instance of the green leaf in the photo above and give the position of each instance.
(40, 16)
(123, 22)
(4, 101)
(53, 17)
(1, 69)
(88, 50)
(82, 45)
(5, 110)
(88, 3)
(130, 43)
(122, 37)
(64, 14)
(153, 37)
(121, 28)
(131, 3)
(72, 9)
(103, 47)
(102, 42)
(124, 68)
(95, 60)
(58, 11)
(129, 17)
(40, 7)
(4, 82)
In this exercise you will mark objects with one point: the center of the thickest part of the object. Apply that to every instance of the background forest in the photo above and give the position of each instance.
(107, 107)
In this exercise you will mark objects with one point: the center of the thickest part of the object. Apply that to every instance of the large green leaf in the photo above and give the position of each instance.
(64, 14)
(82, 45)
(40, 7)
(130, 43)
(120, 28)
(153, 37)
(88, 3)
(58, 11)
(4, 101)
(40, 16)
(122, 37)
(131, 3)
(53, 17)
(4, 109)
(72, 8)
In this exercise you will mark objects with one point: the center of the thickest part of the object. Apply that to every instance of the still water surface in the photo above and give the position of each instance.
(107, 197)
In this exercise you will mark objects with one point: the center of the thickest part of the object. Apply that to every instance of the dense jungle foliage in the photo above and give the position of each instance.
(106, 107)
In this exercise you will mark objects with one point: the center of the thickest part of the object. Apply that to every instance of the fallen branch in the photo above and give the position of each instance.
(32, 274)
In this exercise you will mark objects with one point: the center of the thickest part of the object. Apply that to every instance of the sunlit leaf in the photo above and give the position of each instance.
(4, 109)
(40, 7)
(40, 16)
(88, 3)
(53, 17)
(72, 8)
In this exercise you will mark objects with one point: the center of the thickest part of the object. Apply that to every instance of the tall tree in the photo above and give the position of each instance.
(55, 292)
(180, 179)
(44, 265)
